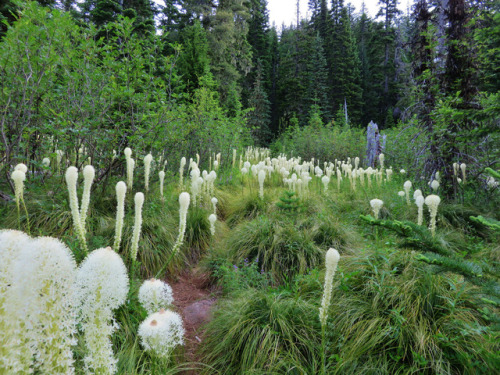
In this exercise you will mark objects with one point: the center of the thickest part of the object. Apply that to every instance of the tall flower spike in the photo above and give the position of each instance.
(432, 201)
(130, 172)
(46, 162)
(21, 167)
(44, 276)
(147, 169)
(376, 206)
(407, 187)
(121, 191)
(88, 179)
(139, 201)
(262, 177)
(419, 201)
(162, 179)
(214, 204)
(59, 156)
(212, 219)
(183, 209)
(181, 171)
(331, 261)
(18, 177)
(325, 180)
(462, 167)
(71, 181)
(434, 185)
(102, 286)
(154, 295)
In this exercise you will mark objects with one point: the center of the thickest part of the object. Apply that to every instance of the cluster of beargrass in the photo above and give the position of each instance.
(306, 285)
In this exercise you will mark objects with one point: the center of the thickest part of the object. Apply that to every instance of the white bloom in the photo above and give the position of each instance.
(139, 201)
(417, 193)
(121, 191)
(161, 332)
(18, 177)
(325, 180)
(402, 171)
(419, 201)
(21, 167)
(462, 167)
(376, 205)
(212, 219)
(407, 187)
(130, 172)
(46, 162)
(155, 295)
(88, 179)
(432, 201)
(331, 261)
(401, 193)
(214, 204)
(181, 171)
(147, 168)
(102, 286)
(71, 181)
(434, 185)
(262, 177)
(127, 152)
(162, 178)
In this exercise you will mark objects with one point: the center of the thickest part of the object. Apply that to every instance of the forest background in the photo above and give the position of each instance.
(206, 75)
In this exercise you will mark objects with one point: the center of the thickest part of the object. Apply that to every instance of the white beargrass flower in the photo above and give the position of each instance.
(417, 193)
(59, 156)
(139, 201)
(161, 332)
(46, 162)
(130, 172)
(434, 185)
(402, 171)
(356, 162)
(161, 174)
(244, 170)
(71, 181)
(455, 168)
(212, 219)
(331, 261)
(147, 169)
(18, 177)
(376, 205)
(15, 352)
(462, 167)
(325, 180)
(128, 152)
(419, 201)
(21, 167)
(437, 177)
(88, 179)
(102, 286)
(121, 191)
(262, 177)
(491, 182)
(407, 187)
(184, 199)
(432, 201)
(459, 180)
(181, 171)
(214, 204)
(43, 298)
(401, 193)
(154, 295)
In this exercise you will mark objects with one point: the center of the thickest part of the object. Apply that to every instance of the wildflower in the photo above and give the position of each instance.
(325, 180)
(262, 177)
(432, 201)
(161, 174)
(462, 167)
(102, 286)
(71, 181)
(139, 201)
(212, 219)
(161, 332)
(21, 167)
(331, 261)
(121, 190)
(214, 204)
(46, 162)
(181, 171)
(401, 194)
(407, 187)
(18, 177)
(147, 168)
(402, 171)
(434, 185)
(183, 209)
(154, 295)
(88, 179)
(376, 205)
(419, 201)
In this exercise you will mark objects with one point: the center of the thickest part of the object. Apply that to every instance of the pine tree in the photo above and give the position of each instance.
(259, 119)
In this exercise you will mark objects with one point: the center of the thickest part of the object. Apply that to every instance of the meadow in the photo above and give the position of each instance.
(315, 266)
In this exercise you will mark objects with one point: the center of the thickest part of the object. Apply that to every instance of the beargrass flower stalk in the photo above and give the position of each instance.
(434, 185)
(154, 295)
(462, 167)
(432, 201)
(162, 178)
(46, 162)
(401, 194)
(419, 201)
(214, 204)
(376, 205)
(147, 169)
(161, 332)
(15, 352)
(121, 191)
(417, 193)
(43, 296)
(102, 286)
(181, 171)
(71, 181)
(130, 173)
(59, 156)
(325, 180)
(18, 177)
(262, 177)
(21, 167)
(88, 179)
(139, 201)
(455, 169)
(212, 219)
(331, 261)
(407, 187)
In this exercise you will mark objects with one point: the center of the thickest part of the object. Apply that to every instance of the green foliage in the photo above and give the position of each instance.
(289, 202)
(487, 222)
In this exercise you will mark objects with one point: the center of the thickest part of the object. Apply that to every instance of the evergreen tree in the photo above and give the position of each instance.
(259, 119)
(100, 12)
(143, 12)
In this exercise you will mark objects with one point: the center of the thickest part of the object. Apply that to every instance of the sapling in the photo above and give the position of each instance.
(212, 219)
(121, 190)
(161, 332)
(102, 286)
(71, 181)
(154, 295)
(331, 261)
(432, 201)
(407, 187)
(88, 179)
(147, 169)
(139, 201)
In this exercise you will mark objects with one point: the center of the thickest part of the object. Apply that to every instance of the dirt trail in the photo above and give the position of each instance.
(194, 299)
